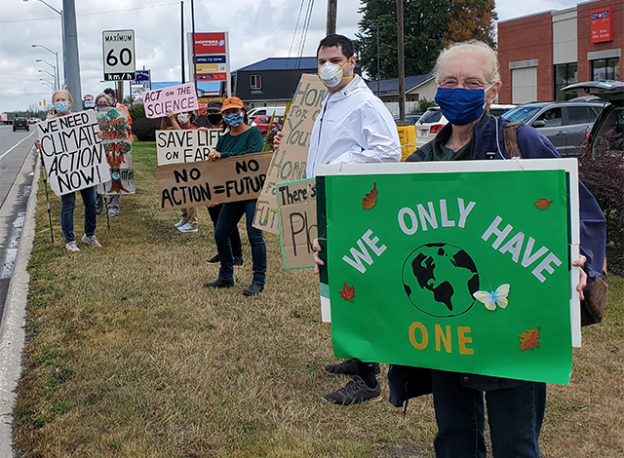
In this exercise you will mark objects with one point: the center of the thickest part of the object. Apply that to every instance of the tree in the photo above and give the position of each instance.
(429, 24)
(470, 19)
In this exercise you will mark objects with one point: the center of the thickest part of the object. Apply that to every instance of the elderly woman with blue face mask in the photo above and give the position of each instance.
(468, 82)
(62, 100)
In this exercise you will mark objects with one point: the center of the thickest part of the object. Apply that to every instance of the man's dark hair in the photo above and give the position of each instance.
(337, 40)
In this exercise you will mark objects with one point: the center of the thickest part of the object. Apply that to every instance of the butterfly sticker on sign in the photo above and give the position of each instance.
(493, 298)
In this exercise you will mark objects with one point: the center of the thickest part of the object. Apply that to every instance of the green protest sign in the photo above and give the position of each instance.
(463, 271)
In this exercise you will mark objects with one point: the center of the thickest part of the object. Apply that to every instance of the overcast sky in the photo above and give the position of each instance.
(258, 29)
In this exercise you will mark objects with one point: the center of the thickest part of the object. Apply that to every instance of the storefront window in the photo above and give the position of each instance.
(606, 69)
(565, 74)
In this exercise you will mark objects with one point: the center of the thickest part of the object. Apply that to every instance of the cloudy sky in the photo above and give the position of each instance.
(258, 29)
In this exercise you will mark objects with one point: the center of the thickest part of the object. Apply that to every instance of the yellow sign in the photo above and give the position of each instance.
(210, 68)
(407, 137)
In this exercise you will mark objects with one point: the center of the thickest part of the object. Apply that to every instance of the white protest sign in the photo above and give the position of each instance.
(179, 99)
(190, 145)
(73, 154)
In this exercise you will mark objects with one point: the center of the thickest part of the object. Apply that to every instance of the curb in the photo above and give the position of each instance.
(12, 328)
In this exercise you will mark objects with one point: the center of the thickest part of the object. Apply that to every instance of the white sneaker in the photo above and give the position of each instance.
(187, 228)
(91, 240)
(180, 223)
(71, 246)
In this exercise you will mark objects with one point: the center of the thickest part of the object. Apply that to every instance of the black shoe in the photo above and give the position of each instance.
(354, 392)
(220, 283)
(254, 289)
(214, 259)
(347, 367)
(238, 261)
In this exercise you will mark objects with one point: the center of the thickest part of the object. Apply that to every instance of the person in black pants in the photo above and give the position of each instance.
(213, 113)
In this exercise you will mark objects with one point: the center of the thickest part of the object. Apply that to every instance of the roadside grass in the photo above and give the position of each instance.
(129, 356)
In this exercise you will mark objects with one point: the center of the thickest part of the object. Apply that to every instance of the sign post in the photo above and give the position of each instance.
(119, 55)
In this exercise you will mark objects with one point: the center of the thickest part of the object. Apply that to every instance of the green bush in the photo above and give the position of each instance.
(423, 104)
(137, 112)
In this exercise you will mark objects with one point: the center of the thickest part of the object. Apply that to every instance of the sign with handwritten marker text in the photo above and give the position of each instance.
(179, 99)
(459, 271)
(296, 201)
(290, 159)
(197, 184)
(73, 153)
(185, 145)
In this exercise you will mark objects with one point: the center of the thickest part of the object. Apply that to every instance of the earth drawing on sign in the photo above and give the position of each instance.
(440, 279)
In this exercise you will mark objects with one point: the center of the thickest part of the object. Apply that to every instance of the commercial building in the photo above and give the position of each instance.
(541, 53)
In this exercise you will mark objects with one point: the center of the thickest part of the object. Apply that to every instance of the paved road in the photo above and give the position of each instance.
(17, 162)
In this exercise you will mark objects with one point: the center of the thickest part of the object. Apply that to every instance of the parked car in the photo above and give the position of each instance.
(263, 111)
(263, 122)
(609, 125)
(565, 124)
(412, 118)
(20, 123)
(433, 121)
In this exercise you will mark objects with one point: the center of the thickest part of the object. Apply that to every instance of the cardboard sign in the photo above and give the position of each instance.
(296, 201)
(113, 125)
(73, 154)
(465, 271)
(197, 184)
(179, 99)
(190, 145)
(289, 161)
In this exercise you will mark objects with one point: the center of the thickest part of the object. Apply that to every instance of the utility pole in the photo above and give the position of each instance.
(72, 60)
(331, 16)
(401, 34)
(182, 39)
(378, 64)
(194, 66)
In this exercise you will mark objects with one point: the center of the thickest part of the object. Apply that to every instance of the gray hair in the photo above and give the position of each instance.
(474, 47)
(106, 97)
(62, 91)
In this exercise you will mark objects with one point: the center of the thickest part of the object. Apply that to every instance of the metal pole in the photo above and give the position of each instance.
(72, 60)
(45, 183)
(400, 33)
(378, 65)
(331, 16)
(193, 46)
(182, 38)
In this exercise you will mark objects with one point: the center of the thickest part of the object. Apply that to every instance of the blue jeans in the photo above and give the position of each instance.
(230, 215)
(68, 204)
(515, 418)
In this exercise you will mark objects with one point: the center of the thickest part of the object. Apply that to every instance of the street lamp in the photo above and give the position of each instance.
(45, 71)
(60, 13)
(56, 80)
(58, 83)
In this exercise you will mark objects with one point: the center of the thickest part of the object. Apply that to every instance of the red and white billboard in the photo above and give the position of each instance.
(602, 25)
(212, 61)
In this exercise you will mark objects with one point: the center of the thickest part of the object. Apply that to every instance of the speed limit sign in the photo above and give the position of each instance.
(119, 59)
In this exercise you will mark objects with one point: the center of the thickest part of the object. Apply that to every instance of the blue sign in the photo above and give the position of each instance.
(142, 76)
(210, 59)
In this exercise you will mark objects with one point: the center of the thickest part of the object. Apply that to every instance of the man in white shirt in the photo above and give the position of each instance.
(354, 126)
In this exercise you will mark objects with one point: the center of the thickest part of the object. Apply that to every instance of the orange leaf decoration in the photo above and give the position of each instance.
(348, 292)
(529, 339)
(370, 200)
(543, 203)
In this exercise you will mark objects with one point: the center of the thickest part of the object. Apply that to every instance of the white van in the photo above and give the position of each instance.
(264, 111)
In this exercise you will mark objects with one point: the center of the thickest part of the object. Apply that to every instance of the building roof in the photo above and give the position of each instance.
(391, 86)
(282, 63)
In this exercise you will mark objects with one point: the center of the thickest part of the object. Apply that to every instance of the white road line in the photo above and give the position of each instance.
(16, 145)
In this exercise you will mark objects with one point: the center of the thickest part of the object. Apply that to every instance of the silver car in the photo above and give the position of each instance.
(565, 124)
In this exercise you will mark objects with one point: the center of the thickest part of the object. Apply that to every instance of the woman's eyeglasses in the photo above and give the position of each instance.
(472, 83)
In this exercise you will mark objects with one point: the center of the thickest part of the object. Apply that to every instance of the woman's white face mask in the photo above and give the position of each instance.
(331, 74)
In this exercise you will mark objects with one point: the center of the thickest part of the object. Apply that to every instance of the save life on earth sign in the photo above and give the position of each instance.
(454, 266)
(73, 154)
(185, 145)
(290, 159)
